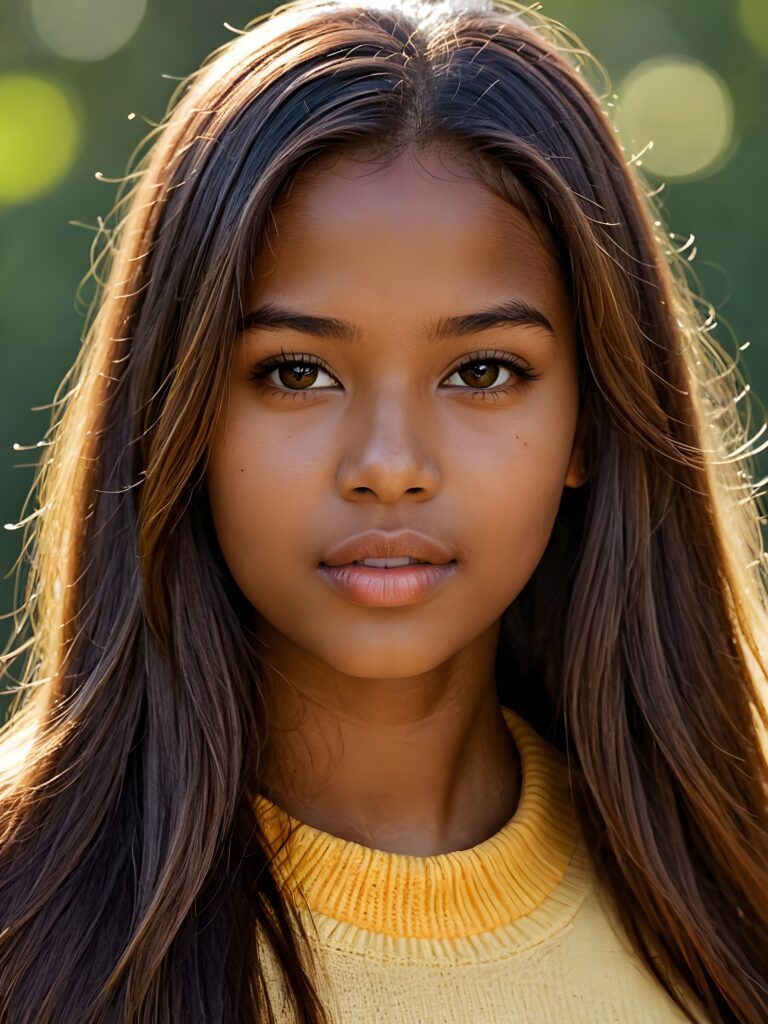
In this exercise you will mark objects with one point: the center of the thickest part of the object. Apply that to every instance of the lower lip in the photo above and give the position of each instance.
(388, 588)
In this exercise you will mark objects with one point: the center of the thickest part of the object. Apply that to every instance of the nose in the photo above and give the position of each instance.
(389, 450)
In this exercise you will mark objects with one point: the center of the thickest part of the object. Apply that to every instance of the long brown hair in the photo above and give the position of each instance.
(133, 876)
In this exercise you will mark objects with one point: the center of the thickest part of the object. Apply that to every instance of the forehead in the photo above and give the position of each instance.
(413, 226)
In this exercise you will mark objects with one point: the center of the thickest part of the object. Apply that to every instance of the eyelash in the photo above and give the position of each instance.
(524, 373)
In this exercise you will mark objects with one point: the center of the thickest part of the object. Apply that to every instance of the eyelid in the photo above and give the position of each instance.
(519, 365)
(523, 368)
(265, 366)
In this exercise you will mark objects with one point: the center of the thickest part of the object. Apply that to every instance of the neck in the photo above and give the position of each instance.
(421, 766)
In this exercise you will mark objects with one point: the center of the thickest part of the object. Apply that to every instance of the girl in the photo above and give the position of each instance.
(386, 291)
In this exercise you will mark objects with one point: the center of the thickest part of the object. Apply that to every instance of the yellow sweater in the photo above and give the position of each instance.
(516, 929)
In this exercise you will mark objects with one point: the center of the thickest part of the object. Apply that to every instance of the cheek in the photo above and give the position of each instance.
(259, 498)
(517, 505)
(513, 493)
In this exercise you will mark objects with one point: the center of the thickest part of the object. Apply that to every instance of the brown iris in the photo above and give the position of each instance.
(477, 373)
(302, 374)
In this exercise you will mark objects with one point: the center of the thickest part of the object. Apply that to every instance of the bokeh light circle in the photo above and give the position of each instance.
(85, 30)
(39, 136)
(753, 15)
(683, 107)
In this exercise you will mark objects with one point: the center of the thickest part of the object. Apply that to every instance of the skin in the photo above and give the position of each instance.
(385, 727)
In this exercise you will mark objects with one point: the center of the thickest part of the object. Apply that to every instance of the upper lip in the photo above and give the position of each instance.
(388, 544)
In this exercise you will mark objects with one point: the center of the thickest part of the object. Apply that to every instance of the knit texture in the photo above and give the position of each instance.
(516, 929)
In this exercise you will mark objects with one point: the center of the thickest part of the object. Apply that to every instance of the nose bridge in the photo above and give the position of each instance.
(386, 440)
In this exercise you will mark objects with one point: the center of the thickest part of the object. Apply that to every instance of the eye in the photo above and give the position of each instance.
(297, 372)
(292, 369)
(482, 370)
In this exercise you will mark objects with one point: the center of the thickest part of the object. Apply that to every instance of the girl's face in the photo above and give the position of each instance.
(393, 417)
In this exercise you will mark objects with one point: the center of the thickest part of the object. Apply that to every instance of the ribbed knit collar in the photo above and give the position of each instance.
(447, 895)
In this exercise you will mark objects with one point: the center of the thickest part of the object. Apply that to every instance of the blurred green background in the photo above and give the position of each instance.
(79, 79)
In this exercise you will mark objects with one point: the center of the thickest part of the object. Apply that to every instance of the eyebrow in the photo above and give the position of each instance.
(513, 312)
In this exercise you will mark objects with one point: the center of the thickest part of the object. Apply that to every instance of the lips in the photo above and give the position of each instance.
(388, 544)
(388, 588)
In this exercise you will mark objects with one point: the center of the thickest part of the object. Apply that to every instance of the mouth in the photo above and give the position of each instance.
(407, 582)
(387, 549)
(383, 563)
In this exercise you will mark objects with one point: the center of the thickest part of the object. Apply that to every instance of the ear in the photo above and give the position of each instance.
(578, 467)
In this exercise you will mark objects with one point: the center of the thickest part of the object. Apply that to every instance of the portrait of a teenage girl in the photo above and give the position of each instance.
(396, 617)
